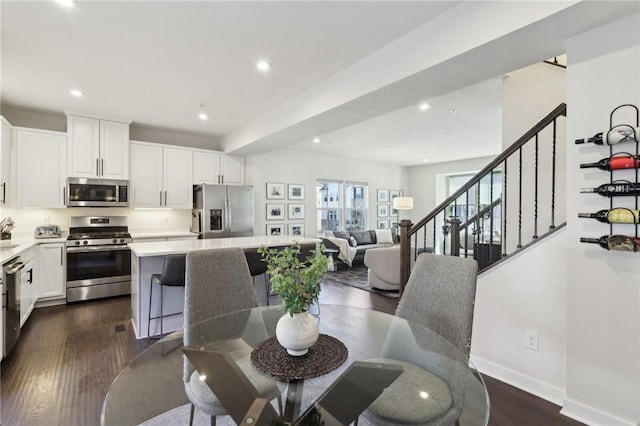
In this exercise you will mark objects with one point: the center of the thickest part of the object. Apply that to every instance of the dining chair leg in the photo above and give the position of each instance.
(193, 407)
(150, 299)
(355, 422)
(280, 406)
(161, 311)
(213, 420)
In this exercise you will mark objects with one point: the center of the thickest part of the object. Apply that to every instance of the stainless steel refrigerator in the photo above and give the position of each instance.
(221, 211)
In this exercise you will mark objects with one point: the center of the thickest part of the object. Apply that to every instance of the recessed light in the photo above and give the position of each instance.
(263, 65)
(316, 140)
(453, 110)
(424, 107)
(66, 3)
(77, 93)
(203, 116)
(425, 159)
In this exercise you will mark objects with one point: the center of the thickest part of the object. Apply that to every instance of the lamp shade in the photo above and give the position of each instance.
(403, 203)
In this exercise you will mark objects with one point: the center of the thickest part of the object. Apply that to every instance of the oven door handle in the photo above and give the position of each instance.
(92, 249)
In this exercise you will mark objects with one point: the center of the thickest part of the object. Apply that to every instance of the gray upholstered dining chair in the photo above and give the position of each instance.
(218, 282)
(439, 296)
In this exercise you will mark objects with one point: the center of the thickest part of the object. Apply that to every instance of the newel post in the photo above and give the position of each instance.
(405, 253)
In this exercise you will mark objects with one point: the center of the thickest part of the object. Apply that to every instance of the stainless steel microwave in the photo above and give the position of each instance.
(83, 192)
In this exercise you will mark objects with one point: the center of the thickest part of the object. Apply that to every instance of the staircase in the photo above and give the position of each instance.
(506, 207)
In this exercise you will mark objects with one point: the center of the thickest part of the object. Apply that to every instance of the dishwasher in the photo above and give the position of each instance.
(11, 303)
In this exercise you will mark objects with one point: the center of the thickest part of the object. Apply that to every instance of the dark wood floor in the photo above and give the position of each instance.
(62, 366)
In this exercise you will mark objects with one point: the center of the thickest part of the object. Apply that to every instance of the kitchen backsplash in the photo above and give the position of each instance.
(26, 220)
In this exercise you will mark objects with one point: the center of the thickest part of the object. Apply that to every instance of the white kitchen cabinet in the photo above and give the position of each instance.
(50, 271)
(232, 169)
(5, 161)
(161, 176)
(97, 148)
(218, 169)
(206, 167)
(41, 168)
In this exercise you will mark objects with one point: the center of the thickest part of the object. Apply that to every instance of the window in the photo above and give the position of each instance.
(341, 205)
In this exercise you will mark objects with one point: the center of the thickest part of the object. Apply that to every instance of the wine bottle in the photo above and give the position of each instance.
(616, 135)
(615, 242)
(617, 215)
(615, 163)
(615, 189)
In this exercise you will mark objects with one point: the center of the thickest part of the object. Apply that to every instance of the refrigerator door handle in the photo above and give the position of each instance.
(229, 217)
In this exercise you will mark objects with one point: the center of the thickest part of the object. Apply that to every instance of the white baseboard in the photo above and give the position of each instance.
(528, 384)
(554, 394)
(591, 416)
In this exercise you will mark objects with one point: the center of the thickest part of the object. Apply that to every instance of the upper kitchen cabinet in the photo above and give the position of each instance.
(98, 148)
(5, 160)
(161, 176)
(217, 169)
(41, 168)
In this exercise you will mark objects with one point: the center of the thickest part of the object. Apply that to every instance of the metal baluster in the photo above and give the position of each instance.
(491, 219)
(504, 209)
(466, 228)
(519, 245)
(535, 194)
(553, 178)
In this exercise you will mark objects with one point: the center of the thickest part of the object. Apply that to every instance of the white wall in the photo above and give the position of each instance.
(582, 300)
(603, 288)
(517, 295)
(299, 167)
(528, 95)
(27, 219)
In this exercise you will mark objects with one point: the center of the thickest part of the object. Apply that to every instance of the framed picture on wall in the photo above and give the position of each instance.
(275, 229)
(296, 211)
(296, 192)
(393, 225)
(382, 224)
(393, 193)
(383, 195)
(275, 191)
(296, 229)
(383, 210)
(275, 211)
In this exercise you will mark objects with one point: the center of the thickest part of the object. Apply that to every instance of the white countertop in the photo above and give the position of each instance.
(13, 247)
(162, 248)
(160, 233)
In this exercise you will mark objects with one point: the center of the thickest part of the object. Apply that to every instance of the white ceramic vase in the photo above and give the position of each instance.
(298, 333)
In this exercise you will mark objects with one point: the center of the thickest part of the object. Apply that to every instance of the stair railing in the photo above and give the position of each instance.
(480, 220)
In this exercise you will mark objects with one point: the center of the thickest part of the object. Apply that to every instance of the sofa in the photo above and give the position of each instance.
(383, 265)
(352, 245)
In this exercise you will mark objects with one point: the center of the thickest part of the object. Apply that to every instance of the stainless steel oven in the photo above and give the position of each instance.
(98, 259)
(83, 192)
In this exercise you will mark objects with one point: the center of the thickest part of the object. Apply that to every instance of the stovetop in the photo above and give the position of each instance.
(97, 235)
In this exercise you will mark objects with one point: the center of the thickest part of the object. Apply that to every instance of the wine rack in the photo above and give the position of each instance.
(627, 134)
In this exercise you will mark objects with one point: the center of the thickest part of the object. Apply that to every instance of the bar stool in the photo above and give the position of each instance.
(173, 275)
(256, 268)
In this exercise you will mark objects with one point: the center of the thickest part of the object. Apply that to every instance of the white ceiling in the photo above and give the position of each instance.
(463, 124)
(156, 62)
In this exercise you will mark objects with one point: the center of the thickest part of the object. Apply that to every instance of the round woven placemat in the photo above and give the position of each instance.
(325, 356)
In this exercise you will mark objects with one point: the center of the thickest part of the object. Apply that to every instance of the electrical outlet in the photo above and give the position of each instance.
(531, 339)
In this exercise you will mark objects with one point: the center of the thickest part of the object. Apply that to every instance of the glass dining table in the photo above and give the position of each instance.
(340, 375)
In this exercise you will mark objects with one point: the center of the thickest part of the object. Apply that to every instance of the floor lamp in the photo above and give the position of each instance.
(401, 202)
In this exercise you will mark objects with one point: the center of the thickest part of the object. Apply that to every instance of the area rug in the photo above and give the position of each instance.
(356, 276)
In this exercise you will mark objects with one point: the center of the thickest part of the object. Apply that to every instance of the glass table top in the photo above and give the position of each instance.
(151, 388)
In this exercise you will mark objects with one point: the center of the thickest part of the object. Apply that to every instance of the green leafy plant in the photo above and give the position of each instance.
(294, 279)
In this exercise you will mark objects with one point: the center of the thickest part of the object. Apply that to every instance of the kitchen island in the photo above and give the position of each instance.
(147, 259)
